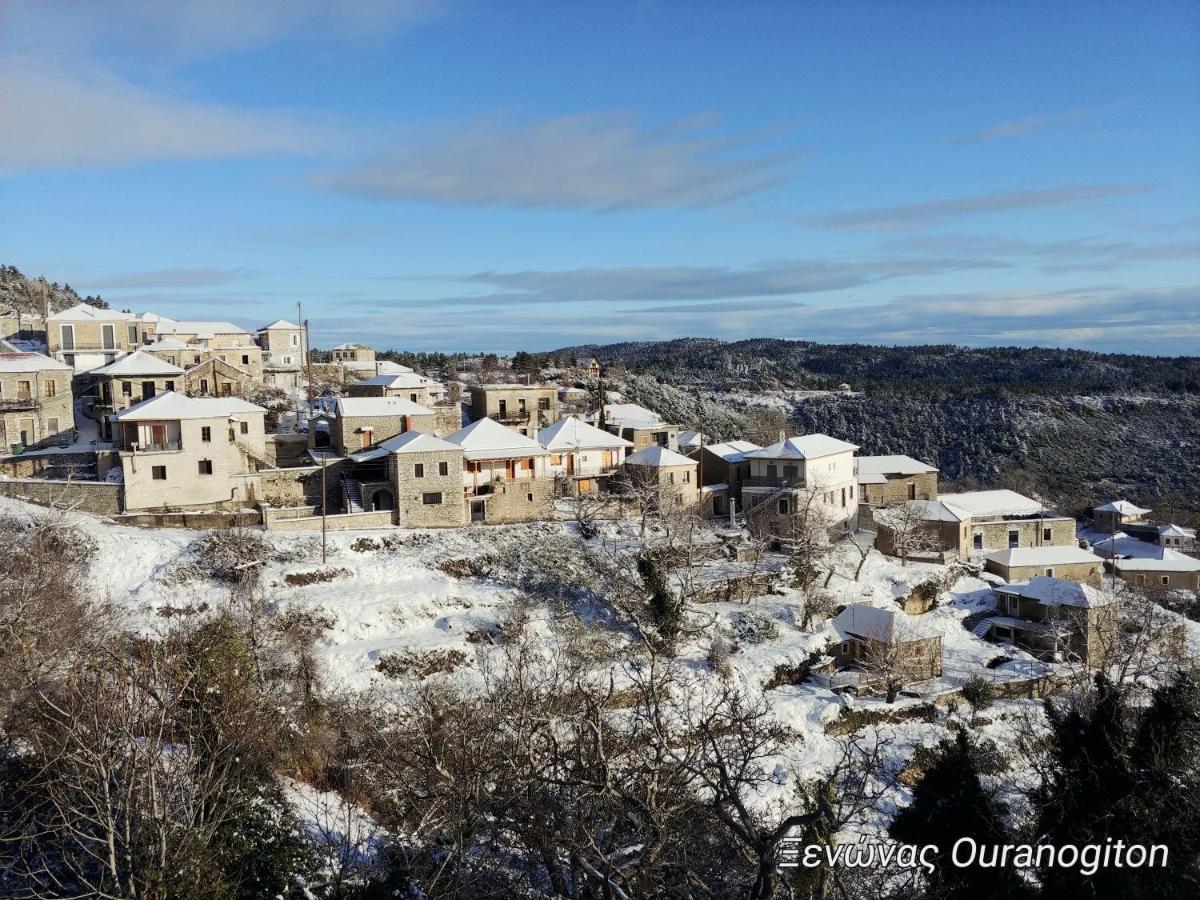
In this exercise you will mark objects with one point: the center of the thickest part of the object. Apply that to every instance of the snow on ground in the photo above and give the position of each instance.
(346, 837)
(390, 594)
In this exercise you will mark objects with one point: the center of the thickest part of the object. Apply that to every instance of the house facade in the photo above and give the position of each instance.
(879, 643)
(581, 454)
(85, 338)
(1067, 563)
(36, 401)
(884, 480)
(283, 346)
(526, 408)
(416, 388)
(180, 452)
(360, 423)
(672, 476)
(506, 476)
(1055, 619)
(724, 463)
(130, 380)
(810, 475)
(640, 426)
(1112, 516)
(352, 353)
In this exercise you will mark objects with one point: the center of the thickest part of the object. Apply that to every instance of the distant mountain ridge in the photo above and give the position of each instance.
(1075, 426)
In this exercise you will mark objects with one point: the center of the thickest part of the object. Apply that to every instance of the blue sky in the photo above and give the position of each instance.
(464, 174)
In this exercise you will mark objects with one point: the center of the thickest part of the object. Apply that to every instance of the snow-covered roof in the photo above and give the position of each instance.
(398, 380)
(930, 511)
(995, 503)
(168, 343)
(1124, 507)
(1043, 556)
(1050, 591)
(571, 433)
(1173, 530)
(417, 442)
(658, 456)
(380, 406)
(351, 345)
(488, 439)
(1164, 560)
(628, 415)
(171, 406)
(139, 362)
(806, 446)
(200, 329)
(82, 311)
(690, 439)
(380, 367)
(30, 362)
(877, 623)
(280, 323)
(875, 469)
(731, 451)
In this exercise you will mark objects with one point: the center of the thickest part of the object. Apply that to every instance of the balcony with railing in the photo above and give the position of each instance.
(19, 402)
(768, 481)
(511, 416)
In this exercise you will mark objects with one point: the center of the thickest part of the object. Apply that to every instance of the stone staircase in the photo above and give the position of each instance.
(353, 494)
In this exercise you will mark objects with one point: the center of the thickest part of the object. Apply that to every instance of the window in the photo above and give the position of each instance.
(69, 359)
(1049, 573)
(170, 385)
(245, 427)
(1139, 580)
(205, 433)
(133, 338)
(687, 477)
(108, 337)
(52, 426)
(1014, 539)
(295, 341)
(544, 404)
(1165, 580)
(443, 468)
(158, 473)
(556, 459)
(851, 492)
(783, 506)
(205, 466)
(51, 388)
(1047, 535)
(977, 542)
(204, 385)
(196, 360)
(419, 470)
(245, 360)
(432, 498)
(529, 497)
(126, 388)
(67, 333)
(412, 397)
(912, 491)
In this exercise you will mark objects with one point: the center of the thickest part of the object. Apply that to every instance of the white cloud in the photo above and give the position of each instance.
(52, 119)
(586, 161)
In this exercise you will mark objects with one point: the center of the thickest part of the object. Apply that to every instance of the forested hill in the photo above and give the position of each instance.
(26, 295)
(806, 365)
(1076, 427)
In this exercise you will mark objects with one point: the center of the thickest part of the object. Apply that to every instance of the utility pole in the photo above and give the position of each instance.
(308, 368)
(324, 508)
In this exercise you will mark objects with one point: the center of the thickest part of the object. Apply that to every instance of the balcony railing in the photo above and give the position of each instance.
(22, 402)
(512, 416)
(164, 447)
(762, 481)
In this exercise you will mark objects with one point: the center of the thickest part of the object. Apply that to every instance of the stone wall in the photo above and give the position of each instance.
(410, 491)
(287, 450)
(305, 519)
(447, 419)
(346, 434)
(98, 497)
(30, 465)
(1084, 573)
(240, 518)
(995, 534)
(895, 489)
(511, 501)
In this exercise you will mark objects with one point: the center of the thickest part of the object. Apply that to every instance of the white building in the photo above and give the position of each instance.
(788, 474)
(582, 452)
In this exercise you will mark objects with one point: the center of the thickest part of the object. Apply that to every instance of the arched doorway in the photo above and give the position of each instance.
(382, 499)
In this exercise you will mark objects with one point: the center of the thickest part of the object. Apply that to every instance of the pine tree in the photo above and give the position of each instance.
(949, 803)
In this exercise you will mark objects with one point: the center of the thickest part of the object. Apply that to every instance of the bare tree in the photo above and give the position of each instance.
(907, 530)
(766, 424)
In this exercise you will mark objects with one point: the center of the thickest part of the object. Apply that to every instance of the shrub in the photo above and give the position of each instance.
(316, 576)
(979, 692)
(420, 663)
(469, 567)
(754, 627)
(718, 657)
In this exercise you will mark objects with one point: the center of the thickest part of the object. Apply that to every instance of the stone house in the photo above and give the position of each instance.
(213, 377)
(673, 475)
(885, 480)
(417, 476)
(592, 368)
(180, 452)
(128, 381)
(416, 388)
(1149, 565)
(811, 474)
(36, 401)
(978, 522)
(1055, 619)
(879, 643)
(85, 338)
(506, 476)
(640, 426)
(360, 423)
(283, 347)
(582, 454)
(353, 353)
(724, 463)
(526, 408)
(1112, 516)
(225, 341)
(1068, 563)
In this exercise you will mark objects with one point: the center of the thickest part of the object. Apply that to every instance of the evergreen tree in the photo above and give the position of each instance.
(949, 803)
